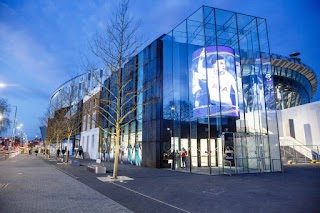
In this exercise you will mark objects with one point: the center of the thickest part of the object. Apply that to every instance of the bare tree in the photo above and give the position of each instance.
(121, 94)
(49, 138)
(47, 121)
(4, 116)
(43, 121)
(70, 119)
(56, 130)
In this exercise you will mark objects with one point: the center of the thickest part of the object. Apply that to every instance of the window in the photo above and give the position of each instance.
(88, 122)
(84, 124)
(94, 103)
(94, 118)
(291, 127)
(83, 140)
(92, 144)
(87, 143)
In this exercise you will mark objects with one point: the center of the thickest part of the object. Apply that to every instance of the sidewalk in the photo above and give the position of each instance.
(5, 154)
(154, 190)
(28, 184)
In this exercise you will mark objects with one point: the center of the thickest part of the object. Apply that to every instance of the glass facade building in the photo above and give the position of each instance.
(215, 110)
(211, 107)
(218, 95)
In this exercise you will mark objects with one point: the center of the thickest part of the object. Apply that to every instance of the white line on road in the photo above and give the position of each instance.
(151, 198)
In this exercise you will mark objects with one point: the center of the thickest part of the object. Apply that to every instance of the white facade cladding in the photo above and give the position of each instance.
(89, 138)
(299, 132)
(90, 143)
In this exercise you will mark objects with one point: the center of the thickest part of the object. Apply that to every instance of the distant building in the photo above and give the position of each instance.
(89, 139)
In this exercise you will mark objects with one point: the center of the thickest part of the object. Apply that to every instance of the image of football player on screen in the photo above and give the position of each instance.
(211, 73)
(220, 77)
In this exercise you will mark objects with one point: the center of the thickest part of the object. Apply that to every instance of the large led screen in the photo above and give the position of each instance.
(214, 85)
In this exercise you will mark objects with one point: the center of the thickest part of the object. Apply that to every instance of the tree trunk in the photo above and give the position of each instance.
(116, 156)
(57, 143)
(67, 150)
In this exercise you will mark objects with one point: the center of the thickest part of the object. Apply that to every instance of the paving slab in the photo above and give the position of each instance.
(31, 185)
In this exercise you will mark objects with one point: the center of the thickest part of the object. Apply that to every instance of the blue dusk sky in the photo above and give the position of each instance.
(42, 41)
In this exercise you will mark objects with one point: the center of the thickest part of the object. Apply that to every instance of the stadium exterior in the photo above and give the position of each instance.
(218, 95)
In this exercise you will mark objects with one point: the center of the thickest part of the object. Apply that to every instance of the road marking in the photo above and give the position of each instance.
(3, 185)
(150, 197)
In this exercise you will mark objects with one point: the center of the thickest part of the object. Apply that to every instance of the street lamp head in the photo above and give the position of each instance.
(20, 126)
(294, 54)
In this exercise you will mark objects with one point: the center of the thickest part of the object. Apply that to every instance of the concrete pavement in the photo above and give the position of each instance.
(28, 184)
(158, 190)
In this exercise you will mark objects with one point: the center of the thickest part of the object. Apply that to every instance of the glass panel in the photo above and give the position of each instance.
(198, 95)
(168, 104)
(180, 95)
(221, 119)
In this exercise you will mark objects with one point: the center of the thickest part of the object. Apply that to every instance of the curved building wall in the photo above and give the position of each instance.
(295, 82)
(70, 96)
(77, 88)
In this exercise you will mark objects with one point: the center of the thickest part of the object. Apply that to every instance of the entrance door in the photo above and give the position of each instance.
(251, 153)
(240, 153)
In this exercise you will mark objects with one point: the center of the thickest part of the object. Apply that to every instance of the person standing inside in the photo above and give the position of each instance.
(121, 150)
(104, 154)
(58, 152)
(137, 149)
(183, 157)
(108, 150)
(80, 151)
(129, 147)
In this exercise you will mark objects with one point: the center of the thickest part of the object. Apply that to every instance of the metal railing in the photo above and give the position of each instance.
(296, 151)
(224, 164)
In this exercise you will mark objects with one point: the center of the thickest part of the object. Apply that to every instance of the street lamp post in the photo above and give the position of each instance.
(1, 118)
(14, 125)
(21, 133)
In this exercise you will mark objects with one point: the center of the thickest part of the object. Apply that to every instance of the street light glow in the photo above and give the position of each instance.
(2, 85)
(20, 126)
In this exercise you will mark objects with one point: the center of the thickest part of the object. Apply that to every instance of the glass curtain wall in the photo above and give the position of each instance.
(218, 95)
(141, 79)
